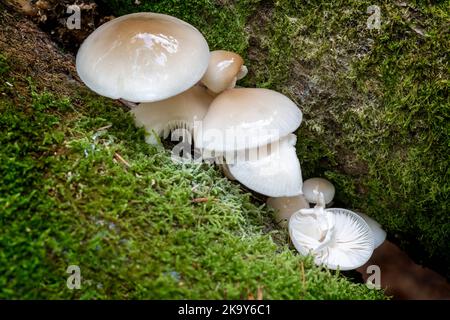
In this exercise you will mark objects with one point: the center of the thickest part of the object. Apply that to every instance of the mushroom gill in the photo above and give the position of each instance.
(337, 238)
(180, 111)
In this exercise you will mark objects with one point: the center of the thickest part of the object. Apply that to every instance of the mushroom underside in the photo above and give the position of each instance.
(273, 171)
(339, 239)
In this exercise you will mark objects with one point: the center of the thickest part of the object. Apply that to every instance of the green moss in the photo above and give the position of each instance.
(66, 199)
(376, 124)
(4, 67)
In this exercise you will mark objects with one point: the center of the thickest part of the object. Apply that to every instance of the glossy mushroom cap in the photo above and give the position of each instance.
(180, 111)
(285, 207)
(245, 118)
(223, 71)
(274, 171)
(143, 57)
(321, 185)
(337, 238)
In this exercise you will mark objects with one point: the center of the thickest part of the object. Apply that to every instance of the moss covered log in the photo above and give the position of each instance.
(377, 124)
(81, 187)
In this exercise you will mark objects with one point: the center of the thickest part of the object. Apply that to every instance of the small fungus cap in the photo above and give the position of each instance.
(223, 70)
(143, 57)
(245, 118)
(321, 185)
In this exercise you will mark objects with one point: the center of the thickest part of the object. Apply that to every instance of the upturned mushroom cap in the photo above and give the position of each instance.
(379, 235)
(143, 57)
(180, 111)
(223, 70)
(285, 207)
(274, 171)
(226, 171)
(321, 185)
(245, 118)
(337, 238)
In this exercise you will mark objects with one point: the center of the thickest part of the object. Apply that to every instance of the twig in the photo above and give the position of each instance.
(121, 159)
(200, 200)
(104, 128)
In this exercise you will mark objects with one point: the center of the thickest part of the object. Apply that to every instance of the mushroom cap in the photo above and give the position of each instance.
(339, 238)
(143, 57)
(180, 111)
(245, 118)
(322, 185)
(223, 69)
(379, 235)
(273, 171)
(286, 206)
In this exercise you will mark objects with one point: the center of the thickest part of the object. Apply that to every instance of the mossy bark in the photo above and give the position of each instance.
(375, 102)
(79, 186)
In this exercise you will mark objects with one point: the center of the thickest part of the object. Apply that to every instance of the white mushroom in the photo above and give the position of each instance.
(181, 111)
(246, 118)
(337, 238)
(285, 207)
(320, 185)
(379, 235)
(273, 171)
(143, 57)
(224, 69)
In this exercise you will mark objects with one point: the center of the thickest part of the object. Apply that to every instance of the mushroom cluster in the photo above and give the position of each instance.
(164, 65)
(337, 238)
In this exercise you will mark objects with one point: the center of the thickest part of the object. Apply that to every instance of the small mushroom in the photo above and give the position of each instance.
(224, 69)
(246, 118)
(143, 57)
(379, 235)
(337, 238)
(180, 111)
(285, 207)
(321, 185)
(274, 171)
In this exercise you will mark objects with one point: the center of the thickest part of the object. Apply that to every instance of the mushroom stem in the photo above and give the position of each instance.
(128, 104)
(285, 207)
